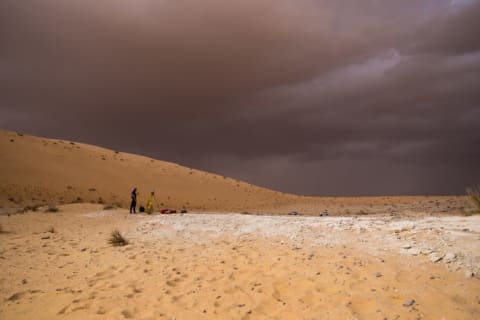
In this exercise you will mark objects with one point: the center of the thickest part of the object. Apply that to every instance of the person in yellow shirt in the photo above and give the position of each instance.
(150, 202)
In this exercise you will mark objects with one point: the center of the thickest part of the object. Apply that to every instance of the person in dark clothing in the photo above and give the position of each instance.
(133, 205)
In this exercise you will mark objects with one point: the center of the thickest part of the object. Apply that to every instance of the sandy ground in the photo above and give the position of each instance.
(238, 266)
(40, 171)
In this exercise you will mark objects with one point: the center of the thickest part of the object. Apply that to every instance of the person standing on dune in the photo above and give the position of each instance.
(133, 204)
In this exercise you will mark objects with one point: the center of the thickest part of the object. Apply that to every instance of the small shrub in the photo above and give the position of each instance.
(52, 209)
(116, 239)
(33, 208)
(92, 189)
(117, 205)
(77, 200)
(474, 194)
(51, 230)
(100, 200)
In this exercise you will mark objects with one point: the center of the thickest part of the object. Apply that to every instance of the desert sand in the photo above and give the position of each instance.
(236, 254)
(39, 171)
(237, 266)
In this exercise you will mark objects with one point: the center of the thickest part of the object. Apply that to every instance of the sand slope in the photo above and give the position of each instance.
(47, 171)
(38, 170)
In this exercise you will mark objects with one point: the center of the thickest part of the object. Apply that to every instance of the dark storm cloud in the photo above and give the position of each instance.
(305, 96)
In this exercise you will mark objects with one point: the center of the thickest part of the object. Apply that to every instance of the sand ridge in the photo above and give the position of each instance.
(236, 256)
(41, 171)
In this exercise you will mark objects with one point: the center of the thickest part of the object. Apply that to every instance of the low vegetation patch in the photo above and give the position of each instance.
(77, 200)
(117, 205)
(474, 194)
(116, 239)
(33, 208)
(52, 209)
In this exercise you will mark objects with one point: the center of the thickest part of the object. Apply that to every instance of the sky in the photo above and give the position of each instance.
(313, 97)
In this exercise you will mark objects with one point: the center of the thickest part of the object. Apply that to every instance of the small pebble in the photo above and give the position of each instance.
(409, 303)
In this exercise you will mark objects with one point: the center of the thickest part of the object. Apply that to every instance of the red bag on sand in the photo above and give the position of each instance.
(166, 211)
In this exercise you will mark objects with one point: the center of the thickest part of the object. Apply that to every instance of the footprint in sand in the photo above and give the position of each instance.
(17, 296)
(127, 314)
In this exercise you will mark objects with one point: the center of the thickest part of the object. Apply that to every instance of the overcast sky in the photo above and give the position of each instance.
(317, 97)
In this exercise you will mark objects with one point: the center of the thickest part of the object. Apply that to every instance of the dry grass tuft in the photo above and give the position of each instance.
(33, 208)
(52, 209)
(117, 239)
(78, 200)
(474, 194)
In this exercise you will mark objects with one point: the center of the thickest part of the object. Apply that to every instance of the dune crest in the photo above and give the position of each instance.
(40, 170)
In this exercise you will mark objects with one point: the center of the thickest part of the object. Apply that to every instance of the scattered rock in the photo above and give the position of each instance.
(426, 251)
(412, 251)
(409, 303)
(449, 257)
(435, 257)
(324, 213)
(293, 213)
(378, 275)
(469, 274)
(45, 237)
(407, 246)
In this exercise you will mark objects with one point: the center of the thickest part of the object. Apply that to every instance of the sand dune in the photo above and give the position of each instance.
(372, 258)
(50, 171)
(38, 170)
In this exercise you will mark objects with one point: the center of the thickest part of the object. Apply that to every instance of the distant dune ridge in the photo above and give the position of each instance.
(38, 171)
